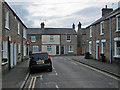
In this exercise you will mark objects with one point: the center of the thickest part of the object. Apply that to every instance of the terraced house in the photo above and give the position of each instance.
(55, 41)
(103, 36)
(14, 38)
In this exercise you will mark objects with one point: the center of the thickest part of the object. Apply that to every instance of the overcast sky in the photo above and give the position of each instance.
(59, 13)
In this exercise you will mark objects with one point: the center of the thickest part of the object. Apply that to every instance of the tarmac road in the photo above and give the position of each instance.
(70, 74)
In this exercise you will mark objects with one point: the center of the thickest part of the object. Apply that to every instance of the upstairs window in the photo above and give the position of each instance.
(117, 23)
(51, 38)
(68, 39)
(24, 33)
(7, 20)
(33, 39)
(91, 31)
(102, 28)
(18, 28)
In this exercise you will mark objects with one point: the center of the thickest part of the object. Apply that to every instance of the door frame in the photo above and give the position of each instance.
(97, 50)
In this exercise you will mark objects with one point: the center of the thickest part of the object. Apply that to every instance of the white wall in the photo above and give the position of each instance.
(46, 39)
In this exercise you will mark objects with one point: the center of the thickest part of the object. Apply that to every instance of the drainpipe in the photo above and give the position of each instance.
(110, 39)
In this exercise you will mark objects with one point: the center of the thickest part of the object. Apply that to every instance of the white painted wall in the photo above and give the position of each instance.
(46, 39)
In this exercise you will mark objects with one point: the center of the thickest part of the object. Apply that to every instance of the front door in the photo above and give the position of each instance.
(57, 49)
(97, 51)
(15, 54)
(62, 49)
(11, 55)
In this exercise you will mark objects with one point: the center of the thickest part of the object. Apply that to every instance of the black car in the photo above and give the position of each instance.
(40, 61)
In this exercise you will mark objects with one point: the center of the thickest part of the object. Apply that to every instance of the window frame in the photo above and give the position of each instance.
(102, 28)
(35, 49)
(115, 47)
(51, 38)
(68, 39)
(117, 24)
(19, 48)
(90, 47)
(33, 38)
(5, 49)
(90, 31)
(24, 33)
(18, 28)
(49, 48)
(7, 20)
(71, 48)
(102, 46)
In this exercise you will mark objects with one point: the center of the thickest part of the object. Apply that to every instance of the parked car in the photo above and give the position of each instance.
(39, 61)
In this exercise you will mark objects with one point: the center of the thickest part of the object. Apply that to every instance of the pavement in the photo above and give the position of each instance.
(15, 77)
(103, 66)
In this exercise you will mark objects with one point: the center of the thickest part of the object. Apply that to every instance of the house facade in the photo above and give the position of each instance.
(14, 38)
(103, 36)
(55, 41)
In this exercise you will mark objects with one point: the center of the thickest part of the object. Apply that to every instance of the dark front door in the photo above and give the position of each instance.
(57, 49)
(62, 49)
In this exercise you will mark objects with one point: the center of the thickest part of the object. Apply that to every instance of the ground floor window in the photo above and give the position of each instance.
(49, 48)
(71, 48)
(90, 47)
(103, 46)
(19, 48)
(24, 50)
(35, 49)
(5, 49)
(117, 47)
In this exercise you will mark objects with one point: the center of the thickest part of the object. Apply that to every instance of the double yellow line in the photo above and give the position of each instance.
(32, 83)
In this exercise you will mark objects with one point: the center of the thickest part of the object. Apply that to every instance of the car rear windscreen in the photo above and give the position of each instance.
(42, 56)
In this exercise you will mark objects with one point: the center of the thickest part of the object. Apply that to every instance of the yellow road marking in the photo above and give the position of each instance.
(114, 77)
(34, 83)
(30, 83)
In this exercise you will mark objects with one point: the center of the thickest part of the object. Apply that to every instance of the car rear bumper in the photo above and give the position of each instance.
(40, 66)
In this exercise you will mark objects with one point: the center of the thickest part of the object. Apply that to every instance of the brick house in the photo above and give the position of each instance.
(55, 41)
(103, 36)
(14, 38)
(81, 40)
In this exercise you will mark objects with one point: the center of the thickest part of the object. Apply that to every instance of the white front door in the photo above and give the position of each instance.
(11, 55)
(15, 54)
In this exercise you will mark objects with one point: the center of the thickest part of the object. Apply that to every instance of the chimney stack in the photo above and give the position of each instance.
(73, 26)
(79, 26)
(42, 25)
(106, 10)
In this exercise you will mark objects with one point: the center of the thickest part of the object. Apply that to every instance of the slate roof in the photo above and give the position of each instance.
(82, 31)
(53, 31)
(113, 13)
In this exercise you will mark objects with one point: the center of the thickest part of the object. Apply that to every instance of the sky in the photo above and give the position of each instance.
(59, 13)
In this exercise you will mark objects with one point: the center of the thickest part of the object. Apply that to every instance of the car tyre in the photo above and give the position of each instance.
(50, 69)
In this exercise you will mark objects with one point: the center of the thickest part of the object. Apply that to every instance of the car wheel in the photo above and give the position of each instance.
(31, 71)
(50, 69)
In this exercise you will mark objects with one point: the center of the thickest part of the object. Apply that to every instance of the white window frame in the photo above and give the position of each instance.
(5, 49)
(51, 38)
(71, 48)
(101, 28)
(90, 31)
(19, 48)
(102, 47)
(117, 30)
(24, 33)
(115, 47)
(33, 38)
(90, 47)
(7, 20)
(35, 49)
(24, 50)
(68, 39)
(49, 48)
(18, 28)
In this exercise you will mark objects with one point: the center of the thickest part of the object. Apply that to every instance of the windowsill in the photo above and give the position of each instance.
(51, 41)
(102, 34)
(68, 40)
(18, 34)
(4, 63)
(117, 31)
(33, 42)
(70, 51)
(117, 56)
(7, 28)
(91, 37)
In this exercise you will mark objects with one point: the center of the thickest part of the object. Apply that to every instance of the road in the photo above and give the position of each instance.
(70, 74)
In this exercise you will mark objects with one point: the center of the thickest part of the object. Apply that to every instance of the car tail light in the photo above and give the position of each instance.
(48, 55)
(31, 57)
